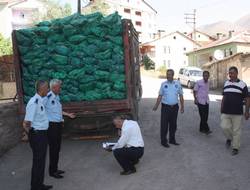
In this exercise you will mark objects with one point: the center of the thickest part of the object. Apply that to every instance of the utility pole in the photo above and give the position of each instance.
(191, 19)
(79, 6)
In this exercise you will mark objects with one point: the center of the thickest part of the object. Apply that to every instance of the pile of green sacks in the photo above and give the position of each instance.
(84, 51)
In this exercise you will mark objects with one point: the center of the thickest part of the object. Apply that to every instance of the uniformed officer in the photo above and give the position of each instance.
(168, 96)
(55, 116)
(36, 124)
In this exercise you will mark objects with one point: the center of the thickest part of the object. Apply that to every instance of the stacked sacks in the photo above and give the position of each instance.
(84, 51)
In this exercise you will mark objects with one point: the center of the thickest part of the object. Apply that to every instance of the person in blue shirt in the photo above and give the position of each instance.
(36, 125)
(168, 97)
(55, 116)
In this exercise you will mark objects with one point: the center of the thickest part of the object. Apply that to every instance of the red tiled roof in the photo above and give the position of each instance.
(240, 37)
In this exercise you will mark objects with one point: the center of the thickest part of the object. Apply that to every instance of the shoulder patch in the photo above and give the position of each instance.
(36, 101)
(49, 95)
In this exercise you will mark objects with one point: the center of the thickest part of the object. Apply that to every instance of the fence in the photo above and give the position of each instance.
(7, 79)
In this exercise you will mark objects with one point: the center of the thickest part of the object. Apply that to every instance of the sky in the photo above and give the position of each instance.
(170, 14)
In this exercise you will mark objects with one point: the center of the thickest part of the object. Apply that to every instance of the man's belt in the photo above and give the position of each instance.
(171, 106)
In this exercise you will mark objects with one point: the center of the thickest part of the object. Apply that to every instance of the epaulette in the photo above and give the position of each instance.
(36, 101)
(49, 95)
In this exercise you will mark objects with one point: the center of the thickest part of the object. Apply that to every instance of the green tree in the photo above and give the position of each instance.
(52, 10)
(96, 6)
(148, 63)
(5, 46)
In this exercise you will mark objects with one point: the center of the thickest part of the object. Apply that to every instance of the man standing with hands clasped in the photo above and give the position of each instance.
(201, 99)
(55, 116)
(168, 97)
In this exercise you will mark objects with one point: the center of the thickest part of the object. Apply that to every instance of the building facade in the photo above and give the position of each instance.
(169, 50)
(230, 45)
(140, 12)
(16, 14)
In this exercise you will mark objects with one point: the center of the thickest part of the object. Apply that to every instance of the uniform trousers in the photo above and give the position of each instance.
(38, 143)
(54, 139)
(203, 112)
(169, 115)
(128, 157)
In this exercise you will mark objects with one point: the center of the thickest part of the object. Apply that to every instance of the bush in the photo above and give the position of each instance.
(162, 69)
(148, 63)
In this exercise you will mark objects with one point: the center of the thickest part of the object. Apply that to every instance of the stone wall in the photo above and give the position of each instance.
(10, 126)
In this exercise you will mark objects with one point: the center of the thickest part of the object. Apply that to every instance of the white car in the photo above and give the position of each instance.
(188, 76)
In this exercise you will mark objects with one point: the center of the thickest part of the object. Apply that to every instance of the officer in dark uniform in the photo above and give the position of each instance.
(55, 116)
(168, 97)
(36, 125)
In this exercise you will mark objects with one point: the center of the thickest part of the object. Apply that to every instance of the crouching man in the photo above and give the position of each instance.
(130, 146)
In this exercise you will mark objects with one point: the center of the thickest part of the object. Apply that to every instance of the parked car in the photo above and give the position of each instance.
(188, 76)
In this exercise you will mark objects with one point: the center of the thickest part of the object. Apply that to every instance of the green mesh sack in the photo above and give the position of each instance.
(87, 79)
(90, 50)
(98, 31)
(119, 86)
(44, 23)
(70, 30)
(87, 87)
(23, 50)
(77, 73)
(102, 75)
(103, 55)
(77, 39)
(79, 21)
(117, 77)
(23, 40)
(59, 59)
(62, 50)
(55, 38)
(59, 75)
(93, 95)
(103, 85)
(117, 95)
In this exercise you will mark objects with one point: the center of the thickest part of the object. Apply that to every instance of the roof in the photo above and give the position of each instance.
(240, 37)
(183, 35)
(11, 2)
(149, 6)
(203, 34)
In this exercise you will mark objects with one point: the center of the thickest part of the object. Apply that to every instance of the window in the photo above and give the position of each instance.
(138, 13)
(230, 51)
(169, 49)
(138, 23)
(181, 71)
(169, 63)
(165, 49)
(184, 49)
(22, 15)
(210, 58)
(126, 10)
(165, 63)
(199, 36)
(174, 37)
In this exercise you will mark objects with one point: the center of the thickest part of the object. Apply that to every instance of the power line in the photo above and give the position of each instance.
(191, 19)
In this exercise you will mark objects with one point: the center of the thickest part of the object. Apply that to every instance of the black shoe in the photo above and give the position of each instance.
(228, 143)
(46, 187)
(165, 145)
(208, 132)
(174, 143)
(136, 162)
(235, 152)
(56, 175)
(60, 171)
(128, 172)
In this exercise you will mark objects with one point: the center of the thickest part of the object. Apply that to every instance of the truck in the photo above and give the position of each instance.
(94, 116)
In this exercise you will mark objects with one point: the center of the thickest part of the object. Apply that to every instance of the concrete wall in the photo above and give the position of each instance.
(10, 126)
(218, 70)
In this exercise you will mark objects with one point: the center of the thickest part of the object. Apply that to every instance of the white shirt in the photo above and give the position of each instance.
(53, 107)
(130, 135)
(36, 113)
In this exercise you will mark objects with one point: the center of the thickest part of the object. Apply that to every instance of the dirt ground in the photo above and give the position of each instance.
(201, 162)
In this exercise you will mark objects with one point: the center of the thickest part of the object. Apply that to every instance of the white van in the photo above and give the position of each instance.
(189, 75)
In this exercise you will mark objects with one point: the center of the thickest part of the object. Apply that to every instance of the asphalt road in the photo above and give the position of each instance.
(200, 163)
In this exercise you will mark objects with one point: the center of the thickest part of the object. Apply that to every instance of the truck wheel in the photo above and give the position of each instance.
(189, 84)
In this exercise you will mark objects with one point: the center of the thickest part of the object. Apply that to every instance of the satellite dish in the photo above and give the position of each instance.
(218, 54)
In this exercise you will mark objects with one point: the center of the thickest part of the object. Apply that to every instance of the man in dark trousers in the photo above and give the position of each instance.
(168, 97)
(130, 146)
(201, 99)
(36, 125)
(55, 116)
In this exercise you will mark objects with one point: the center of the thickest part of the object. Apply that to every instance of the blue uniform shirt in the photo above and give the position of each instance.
(170, 91)
(53, 107)
(36, 113)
